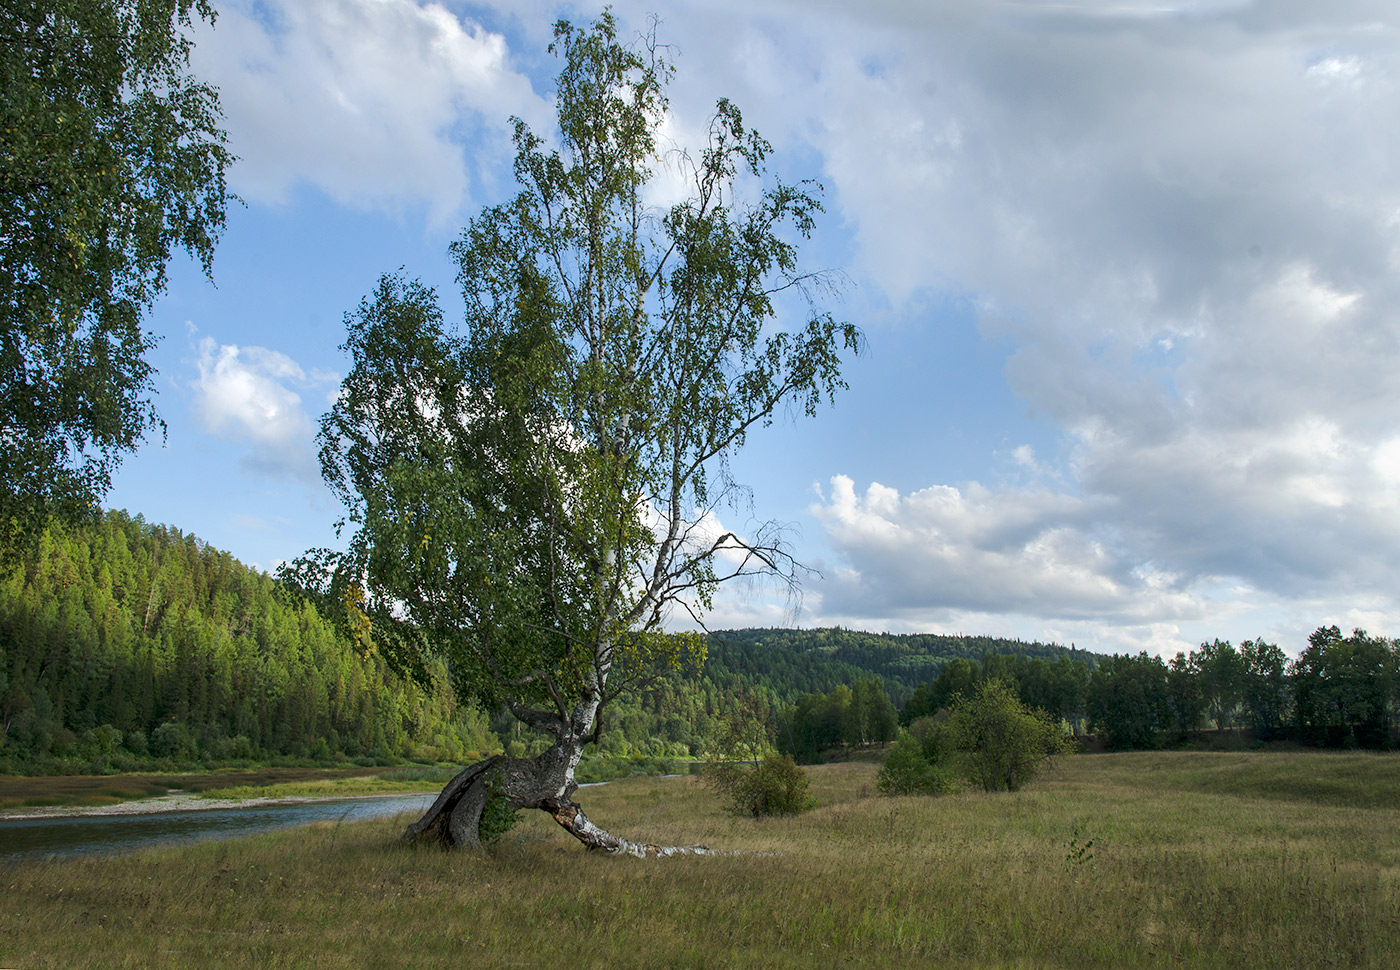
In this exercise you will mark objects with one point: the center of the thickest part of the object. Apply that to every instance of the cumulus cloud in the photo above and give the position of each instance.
(371, 101)
(246, 394)
(975, 549)
(1183, 218)
(1186, 222)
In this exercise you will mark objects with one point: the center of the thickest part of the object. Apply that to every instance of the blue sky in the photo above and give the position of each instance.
(1127, 271)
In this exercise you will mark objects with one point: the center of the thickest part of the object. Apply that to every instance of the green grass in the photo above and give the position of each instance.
(1353, 780)
(1198, 859)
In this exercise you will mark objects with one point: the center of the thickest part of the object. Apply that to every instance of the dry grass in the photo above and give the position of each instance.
(1193, 863)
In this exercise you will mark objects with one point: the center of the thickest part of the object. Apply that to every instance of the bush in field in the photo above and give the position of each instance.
(1001, 743)
(774, 786)
(751, 778)
(909, 770)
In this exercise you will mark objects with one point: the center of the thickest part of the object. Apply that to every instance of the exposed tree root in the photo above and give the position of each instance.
(454, 818)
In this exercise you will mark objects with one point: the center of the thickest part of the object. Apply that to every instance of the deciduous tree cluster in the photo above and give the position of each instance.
(855, 716)
(986, 736)
(1341, 691)
(111, 158)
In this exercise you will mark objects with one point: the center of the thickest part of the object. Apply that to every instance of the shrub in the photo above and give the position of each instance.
(135, 742)
(1001, 742)
(910, 771)
(498, 815)
(774, 786)
(172, 740)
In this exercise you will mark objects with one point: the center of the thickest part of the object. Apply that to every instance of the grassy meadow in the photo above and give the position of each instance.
(1242, 859)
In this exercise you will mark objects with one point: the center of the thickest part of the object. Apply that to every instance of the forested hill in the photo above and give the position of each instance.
(790, 662)
(128, 645)
(125, 642)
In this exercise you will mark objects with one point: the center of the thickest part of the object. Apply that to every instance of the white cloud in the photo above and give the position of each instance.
(372, 101)
(1184, 223)
(1337, 70)
(1181, 217)
(1022, 552)
(245, 394)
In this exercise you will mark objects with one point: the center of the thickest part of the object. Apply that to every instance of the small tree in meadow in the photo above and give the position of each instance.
(1001, 742)
(752, 778)
(777, 785)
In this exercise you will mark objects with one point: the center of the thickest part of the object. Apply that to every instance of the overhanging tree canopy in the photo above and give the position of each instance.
(533, 494)
(111, 156)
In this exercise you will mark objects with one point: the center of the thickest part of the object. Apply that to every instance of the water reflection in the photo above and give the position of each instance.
(89, 834)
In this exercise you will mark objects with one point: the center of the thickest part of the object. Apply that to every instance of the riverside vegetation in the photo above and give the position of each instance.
(1232, 859)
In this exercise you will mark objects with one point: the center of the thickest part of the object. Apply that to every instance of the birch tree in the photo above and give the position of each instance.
(532, 494)
(111, 158)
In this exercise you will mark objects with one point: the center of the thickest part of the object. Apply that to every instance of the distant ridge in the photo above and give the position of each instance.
(819, 659)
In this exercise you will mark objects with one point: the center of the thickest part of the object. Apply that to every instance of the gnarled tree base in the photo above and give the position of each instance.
(454, 819)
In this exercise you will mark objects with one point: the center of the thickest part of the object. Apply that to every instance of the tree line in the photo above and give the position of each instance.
(818, 689)
(900, 661)
(126, 644)
(1341, 691)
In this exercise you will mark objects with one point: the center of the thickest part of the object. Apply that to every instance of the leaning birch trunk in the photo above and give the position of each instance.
(546, 783)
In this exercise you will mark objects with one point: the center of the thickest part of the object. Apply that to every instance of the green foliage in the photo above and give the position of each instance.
(750, 778)
(773, 786)
(910, 770)
(498, 815)
(850, 716)
(1345, 688)
(533, 492)
(1267, 692)
(111, 157)
(1079, 850)
(1127, 700)
(1222, 674)
(903, 662)
(746, 732)
(124, 644)
(783, 663)
(1001, 742)
(1056, 685)
(173, 740)
(687, 715)
(1342, 691)
(1186, 693)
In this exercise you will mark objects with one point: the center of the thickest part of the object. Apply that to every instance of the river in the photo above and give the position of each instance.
(93, 834)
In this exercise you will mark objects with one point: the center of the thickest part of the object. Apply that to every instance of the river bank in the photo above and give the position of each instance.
(57, 796)
(53, 796)
(108, 832)
(178, 801)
